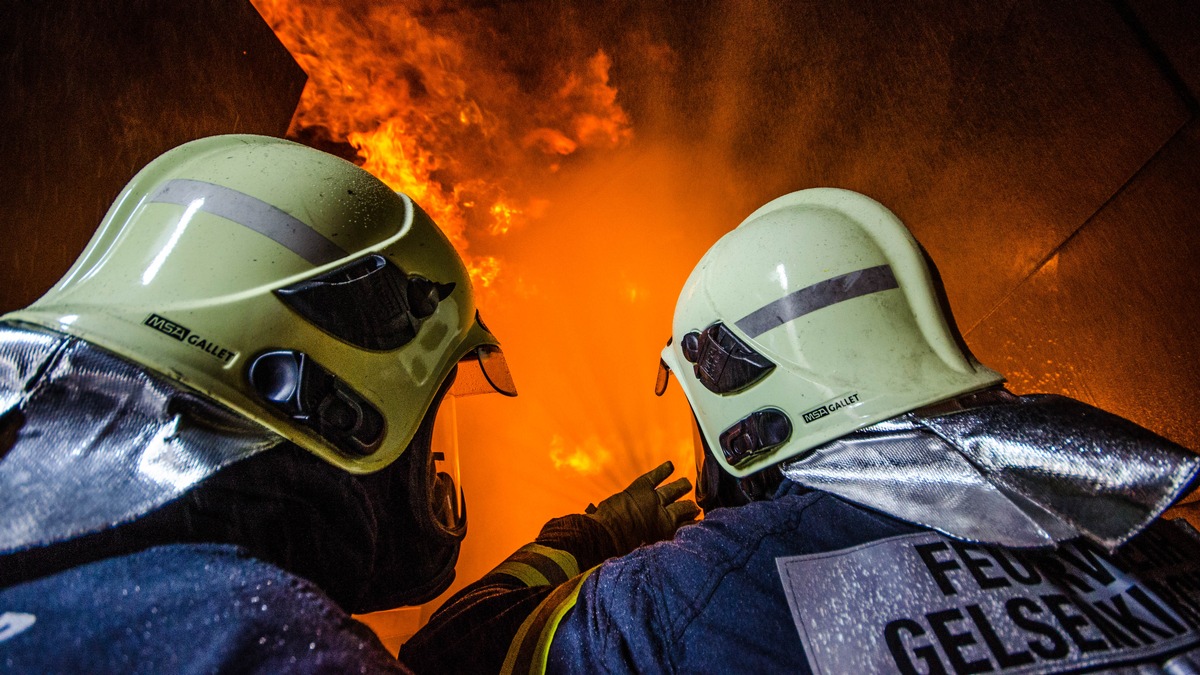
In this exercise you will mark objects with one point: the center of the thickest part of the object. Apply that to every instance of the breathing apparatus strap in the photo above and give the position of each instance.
(530, 648)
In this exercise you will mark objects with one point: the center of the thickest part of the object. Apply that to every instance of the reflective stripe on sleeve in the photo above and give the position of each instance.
(526, 574)
(530, 649)
(537, 565)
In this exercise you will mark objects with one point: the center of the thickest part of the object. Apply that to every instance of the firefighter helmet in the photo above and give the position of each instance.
(287, 284)
(816, 316)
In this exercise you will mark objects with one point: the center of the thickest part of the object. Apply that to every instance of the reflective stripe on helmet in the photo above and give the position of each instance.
(818, 296)
(251, 213)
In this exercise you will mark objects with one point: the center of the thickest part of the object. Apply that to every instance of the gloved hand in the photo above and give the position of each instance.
(641, 514)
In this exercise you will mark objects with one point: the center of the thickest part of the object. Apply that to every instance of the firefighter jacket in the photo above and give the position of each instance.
(809, 583)
(181, 608)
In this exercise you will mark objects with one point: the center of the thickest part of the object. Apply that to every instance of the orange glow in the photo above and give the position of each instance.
(562, 223)
(586, 459)
(504, 216)
(483, 270)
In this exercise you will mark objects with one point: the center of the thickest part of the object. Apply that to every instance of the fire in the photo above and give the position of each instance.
(436, 118)
(587, 458)
(568, 248)
(504, 216)
(483, 270)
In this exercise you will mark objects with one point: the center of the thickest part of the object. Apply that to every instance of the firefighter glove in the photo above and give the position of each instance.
(644, 513)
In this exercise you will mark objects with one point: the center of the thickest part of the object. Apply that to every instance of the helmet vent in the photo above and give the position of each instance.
(295, 385)
(756, 433)
(370, 302)
(723, 363)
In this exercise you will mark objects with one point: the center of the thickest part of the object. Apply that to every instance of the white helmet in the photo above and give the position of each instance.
(817, 316)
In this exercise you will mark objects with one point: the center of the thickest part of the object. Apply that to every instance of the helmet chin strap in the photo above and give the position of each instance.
(715, 488)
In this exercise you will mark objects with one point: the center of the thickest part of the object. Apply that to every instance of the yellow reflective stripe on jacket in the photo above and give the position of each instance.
(530, 647)
(565, 561)
(527, 574)
(537, 565)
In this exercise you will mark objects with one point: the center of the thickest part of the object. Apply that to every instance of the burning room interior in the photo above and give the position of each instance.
(583, 155)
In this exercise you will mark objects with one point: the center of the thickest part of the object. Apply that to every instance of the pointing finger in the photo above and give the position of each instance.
(659, 473)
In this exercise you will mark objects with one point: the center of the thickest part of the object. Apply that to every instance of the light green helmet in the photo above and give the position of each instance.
(285, 283)
(817, 316)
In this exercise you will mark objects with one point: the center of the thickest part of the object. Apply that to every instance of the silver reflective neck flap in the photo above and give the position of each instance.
(1017, 471)
(99, 441)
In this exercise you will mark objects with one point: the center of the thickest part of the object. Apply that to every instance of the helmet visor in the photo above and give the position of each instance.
(446, 498)
(483, 371)
(664, 378)
(664, 371)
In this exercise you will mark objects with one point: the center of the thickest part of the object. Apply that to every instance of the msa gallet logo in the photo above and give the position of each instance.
(815, 414)
(167, 327)
(184, 334)
(827, 408)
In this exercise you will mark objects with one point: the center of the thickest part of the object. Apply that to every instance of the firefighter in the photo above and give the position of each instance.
(217, 431)
(875, 499)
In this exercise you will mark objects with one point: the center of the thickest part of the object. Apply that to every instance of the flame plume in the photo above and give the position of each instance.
(433, 117)
(532, 169)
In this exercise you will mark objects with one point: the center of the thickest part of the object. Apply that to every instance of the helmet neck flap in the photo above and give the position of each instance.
(103, 457)
(1015, 471)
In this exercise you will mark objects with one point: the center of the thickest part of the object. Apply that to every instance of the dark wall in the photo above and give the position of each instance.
(92, 91)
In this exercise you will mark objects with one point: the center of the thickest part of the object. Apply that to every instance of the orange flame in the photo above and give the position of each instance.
(530, 177)
(587, 458)
(433, 117)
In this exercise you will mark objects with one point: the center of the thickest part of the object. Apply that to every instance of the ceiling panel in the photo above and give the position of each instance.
(1112, 318)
